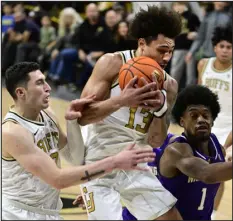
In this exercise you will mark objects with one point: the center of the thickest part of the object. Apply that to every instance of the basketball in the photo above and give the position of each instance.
(141, 67)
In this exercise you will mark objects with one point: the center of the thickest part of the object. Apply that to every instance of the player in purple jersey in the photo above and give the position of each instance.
(191, 166)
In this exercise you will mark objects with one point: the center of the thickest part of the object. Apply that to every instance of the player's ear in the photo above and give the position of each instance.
(141, 43)
(20, 92)
(181, 122)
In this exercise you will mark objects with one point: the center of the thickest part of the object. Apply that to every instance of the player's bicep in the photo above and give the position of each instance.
(181, 157)
(192, 167)
(101, 78)
(30, 157)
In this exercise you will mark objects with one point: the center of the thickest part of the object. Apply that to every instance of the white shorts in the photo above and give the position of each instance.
(141, 192)
(12, 210)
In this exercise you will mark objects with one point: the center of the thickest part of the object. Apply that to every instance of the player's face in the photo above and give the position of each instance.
(38, 91)
(197, 122)
(223, 51)
(160, 49)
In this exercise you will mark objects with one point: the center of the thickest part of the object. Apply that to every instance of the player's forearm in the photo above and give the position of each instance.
(157, 132)
(99, 110)
(73, 150)
(218, 172)
(81, 174)
(159, 126)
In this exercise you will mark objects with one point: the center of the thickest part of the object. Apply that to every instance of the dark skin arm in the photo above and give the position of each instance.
(158, 128)
(179, 157)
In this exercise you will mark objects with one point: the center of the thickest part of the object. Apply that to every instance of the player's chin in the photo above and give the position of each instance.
(45, 105)
(203, 135)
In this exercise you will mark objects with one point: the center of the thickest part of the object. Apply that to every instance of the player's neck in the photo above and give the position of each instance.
(138, 53)
(221, 66)
(200, 146)
(29, 113)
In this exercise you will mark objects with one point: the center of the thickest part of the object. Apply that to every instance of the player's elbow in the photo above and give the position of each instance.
(59, 182)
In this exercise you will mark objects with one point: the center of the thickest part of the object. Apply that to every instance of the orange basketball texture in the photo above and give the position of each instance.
(141, 67)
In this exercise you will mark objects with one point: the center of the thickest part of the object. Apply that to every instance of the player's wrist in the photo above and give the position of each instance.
(112, 164)
(118, 102)
(163, 109)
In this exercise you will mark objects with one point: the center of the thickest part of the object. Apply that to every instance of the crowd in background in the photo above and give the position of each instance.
(68, 40)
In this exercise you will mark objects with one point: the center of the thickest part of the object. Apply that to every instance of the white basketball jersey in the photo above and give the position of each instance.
(121, 127)
(220, 82)
(20, 185)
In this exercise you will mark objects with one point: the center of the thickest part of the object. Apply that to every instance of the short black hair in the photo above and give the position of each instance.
(222, 34)
(154, 21)
(19, 74)
(195, 95)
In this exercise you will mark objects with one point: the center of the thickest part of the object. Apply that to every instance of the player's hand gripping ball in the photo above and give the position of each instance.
(141, 67)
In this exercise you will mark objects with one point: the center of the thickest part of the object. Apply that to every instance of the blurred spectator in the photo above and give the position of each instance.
(22, 41)
(182, 45)
(18, 8)
(91, 41)
(121, 37)
(47, 32)
(69, 19)
(110, 21)
(64, 54)
(28, 36)
(7, 18)
(219, 17)
(120, 12)
(193, 7)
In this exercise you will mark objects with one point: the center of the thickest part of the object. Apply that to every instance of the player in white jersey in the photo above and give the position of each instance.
(32, 142)
(115, 123)
(216, 74)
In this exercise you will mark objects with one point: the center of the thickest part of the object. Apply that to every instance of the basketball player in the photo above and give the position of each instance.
(191, 166)
(32, 141)
(115, 123)
(216, 73)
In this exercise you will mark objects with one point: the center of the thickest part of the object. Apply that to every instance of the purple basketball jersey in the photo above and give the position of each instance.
(195, 198)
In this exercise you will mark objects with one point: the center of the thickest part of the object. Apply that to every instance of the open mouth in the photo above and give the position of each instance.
(202, 128)
(47, 98)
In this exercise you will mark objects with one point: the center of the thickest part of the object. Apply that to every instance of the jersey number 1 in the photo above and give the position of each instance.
(201, 207)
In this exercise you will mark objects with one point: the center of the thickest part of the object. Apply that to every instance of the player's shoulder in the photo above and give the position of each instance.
(51, 114)
(11, 129)
(111, 59)
(175, 148)
(108, 66)
(171, 83)
(202, 63)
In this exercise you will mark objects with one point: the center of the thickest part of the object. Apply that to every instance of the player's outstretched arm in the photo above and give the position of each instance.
(104, 73)
(181, 157)
(159, 127)
(18, 143)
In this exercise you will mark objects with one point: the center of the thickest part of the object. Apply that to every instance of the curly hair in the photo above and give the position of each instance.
(195, 95)
(222, 34)
(19, 74)
(155, 21)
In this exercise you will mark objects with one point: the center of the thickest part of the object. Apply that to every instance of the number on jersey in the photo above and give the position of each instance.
(148, 116)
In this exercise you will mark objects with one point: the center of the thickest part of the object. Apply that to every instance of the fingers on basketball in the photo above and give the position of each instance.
(141, 67)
